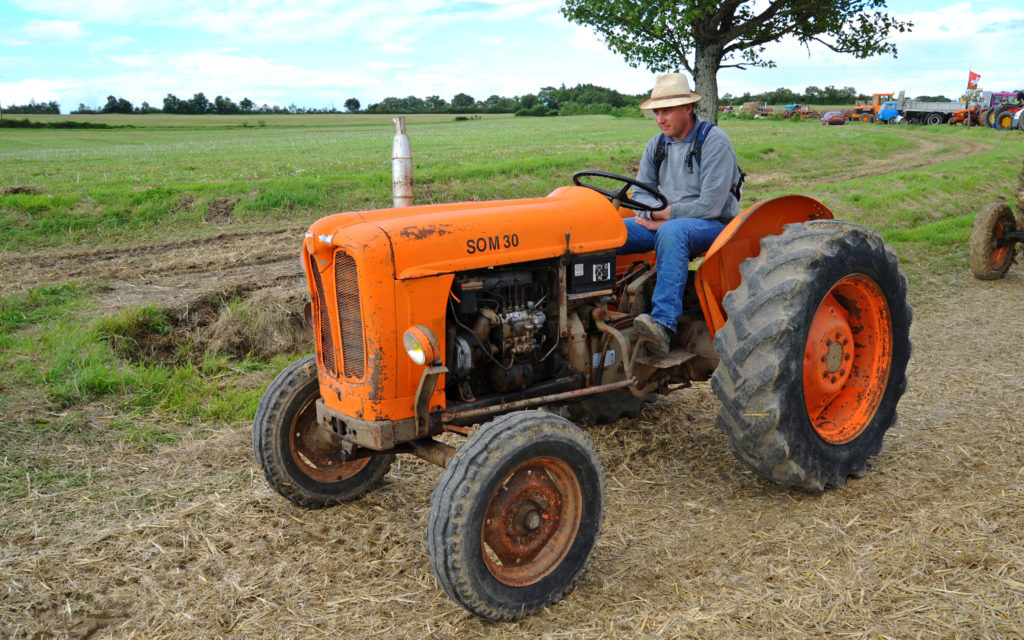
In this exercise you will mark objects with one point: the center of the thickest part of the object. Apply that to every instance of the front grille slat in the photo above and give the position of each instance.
(323, 323)
(350, 316)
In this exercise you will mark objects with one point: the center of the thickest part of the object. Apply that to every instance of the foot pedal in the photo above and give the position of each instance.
(673, 358)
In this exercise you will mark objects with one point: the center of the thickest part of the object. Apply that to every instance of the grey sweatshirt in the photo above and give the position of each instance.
(704, 193)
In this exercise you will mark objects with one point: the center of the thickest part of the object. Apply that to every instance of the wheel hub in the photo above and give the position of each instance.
(828, 354)
(847, 357)
(531, 521)
(319, 455)
(1001, 250)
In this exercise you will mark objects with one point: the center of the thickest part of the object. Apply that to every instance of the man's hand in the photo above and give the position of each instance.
(657, 219)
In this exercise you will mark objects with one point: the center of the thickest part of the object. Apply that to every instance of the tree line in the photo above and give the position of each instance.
(582, 99)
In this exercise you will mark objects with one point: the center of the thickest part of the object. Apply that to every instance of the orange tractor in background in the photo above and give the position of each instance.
(866, 112)
(504, 324)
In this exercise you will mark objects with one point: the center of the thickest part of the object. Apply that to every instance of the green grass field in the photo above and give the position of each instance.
(916, 184)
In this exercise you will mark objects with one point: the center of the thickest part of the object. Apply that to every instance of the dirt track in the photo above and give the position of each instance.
(194, 544)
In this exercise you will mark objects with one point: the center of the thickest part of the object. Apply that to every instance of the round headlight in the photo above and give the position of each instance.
(421, 344)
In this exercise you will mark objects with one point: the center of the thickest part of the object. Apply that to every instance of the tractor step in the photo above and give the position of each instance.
(671, 359)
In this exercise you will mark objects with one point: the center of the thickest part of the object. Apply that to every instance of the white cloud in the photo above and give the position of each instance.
(53, 29)
(24, 91)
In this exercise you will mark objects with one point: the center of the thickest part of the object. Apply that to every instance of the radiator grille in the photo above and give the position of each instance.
(323, 323)
(350, 315)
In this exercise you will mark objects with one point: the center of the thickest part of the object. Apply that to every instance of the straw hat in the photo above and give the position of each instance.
(670, 90)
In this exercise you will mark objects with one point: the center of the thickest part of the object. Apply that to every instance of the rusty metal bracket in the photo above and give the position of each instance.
(426, 389)
(599, 316)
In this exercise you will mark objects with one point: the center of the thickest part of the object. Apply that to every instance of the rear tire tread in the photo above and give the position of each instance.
(757, 370)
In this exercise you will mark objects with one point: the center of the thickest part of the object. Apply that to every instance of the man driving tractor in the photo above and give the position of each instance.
(693, 164)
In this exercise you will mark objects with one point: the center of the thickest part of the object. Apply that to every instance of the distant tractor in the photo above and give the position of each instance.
(995, 101)
(1005, 115)
(970, 117)
(866, 112)
(992, 246)
(796, 112)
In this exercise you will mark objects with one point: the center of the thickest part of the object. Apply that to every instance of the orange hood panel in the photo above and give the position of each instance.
(446, 238)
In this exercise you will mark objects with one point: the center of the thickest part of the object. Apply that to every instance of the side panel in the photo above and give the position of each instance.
(421, 301)
(719, 273)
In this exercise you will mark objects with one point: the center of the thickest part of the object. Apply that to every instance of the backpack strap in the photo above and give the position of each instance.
(659, 154)
(698, 144)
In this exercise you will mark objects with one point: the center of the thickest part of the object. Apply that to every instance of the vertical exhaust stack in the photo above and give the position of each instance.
(401, 166)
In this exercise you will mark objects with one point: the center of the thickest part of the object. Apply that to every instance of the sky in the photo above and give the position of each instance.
(320, 53)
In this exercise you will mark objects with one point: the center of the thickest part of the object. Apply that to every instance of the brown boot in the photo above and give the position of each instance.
(658, 334)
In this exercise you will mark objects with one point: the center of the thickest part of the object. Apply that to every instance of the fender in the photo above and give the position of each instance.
(719, 273)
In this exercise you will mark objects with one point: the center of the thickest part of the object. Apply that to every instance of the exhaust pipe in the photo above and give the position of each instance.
(401, 166)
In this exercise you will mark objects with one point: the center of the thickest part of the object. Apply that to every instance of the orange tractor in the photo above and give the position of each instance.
(868, 111)
(500, 325)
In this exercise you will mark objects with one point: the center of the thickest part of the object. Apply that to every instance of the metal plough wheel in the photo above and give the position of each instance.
(990, 253)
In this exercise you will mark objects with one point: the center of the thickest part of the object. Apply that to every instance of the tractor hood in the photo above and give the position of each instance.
(447, 238)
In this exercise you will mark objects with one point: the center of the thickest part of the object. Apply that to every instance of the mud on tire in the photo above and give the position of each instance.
(516, 514)
(989, 260)
(298, 460)
(813, 354)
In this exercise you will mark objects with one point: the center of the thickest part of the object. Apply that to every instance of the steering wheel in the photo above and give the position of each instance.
(619, 198)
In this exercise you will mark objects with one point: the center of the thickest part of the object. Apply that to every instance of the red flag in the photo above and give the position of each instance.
(972, 79)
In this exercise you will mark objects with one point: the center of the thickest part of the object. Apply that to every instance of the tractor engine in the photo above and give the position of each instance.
(500, 330)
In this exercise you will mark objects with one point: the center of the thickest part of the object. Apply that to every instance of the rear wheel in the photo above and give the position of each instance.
(933, 118)
(989, 117)
(300, 460)
(990, 254)
(1004, 120)
(516, 514)
(813, 354)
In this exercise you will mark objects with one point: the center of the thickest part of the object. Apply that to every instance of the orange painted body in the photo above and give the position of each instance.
(405, 261)
(394, 268)
(719, 273)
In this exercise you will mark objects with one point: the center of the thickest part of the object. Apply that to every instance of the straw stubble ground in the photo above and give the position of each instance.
(187, 540)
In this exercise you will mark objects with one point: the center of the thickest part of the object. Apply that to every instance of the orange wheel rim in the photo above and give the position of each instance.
(316, 453)
(847, 359)
(999, 254)
(531, 521)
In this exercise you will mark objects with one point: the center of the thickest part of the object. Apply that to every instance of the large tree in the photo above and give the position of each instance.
(703, 36)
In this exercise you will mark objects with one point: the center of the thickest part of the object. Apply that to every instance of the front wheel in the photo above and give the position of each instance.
(813, 354)
(516, 514)
(299, 460)
(990, 253)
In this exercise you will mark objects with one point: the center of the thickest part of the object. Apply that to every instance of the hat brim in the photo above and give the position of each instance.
(671, 101)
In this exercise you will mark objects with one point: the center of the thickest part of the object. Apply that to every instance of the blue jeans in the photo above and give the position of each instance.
(675, 241)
